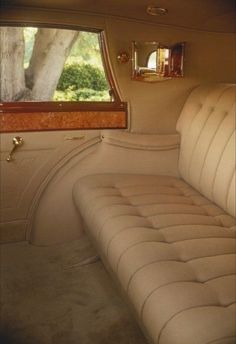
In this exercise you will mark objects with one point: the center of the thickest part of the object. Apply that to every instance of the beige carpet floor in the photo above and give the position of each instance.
(47, 298)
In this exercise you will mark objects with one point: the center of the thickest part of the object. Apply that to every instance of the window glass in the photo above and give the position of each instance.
(152, 60)
(51, 64)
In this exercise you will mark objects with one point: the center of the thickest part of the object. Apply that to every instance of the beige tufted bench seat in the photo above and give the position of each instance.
(170, 242)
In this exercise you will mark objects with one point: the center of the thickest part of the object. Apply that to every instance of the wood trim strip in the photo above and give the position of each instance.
(22, 107)
(45, 121)
(107, 67)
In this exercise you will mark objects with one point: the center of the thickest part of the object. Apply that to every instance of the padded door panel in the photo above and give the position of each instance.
(25, 175)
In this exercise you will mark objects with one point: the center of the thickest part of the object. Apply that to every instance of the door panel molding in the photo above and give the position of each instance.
(26, 177)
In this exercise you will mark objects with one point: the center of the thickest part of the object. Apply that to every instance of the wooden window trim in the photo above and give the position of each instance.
(11, 122)
(30, 107)
(64, 106)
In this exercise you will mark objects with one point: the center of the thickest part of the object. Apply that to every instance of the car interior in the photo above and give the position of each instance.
(117, 177)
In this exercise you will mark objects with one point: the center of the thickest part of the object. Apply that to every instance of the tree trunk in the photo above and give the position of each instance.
(39, 81)
(12, 48)
(51, 49)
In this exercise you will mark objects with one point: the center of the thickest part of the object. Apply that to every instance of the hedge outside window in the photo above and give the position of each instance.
(51, 64)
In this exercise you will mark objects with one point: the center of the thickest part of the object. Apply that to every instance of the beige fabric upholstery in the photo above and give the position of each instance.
(141, 141)
(207, 153)
(172, 251)
(171, 248)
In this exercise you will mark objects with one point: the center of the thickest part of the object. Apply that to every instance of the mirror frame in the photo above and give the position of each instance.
(172, 69)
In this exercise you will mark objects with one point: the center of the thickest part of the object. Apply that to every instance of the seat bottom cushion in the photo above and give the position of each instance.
(172, 250)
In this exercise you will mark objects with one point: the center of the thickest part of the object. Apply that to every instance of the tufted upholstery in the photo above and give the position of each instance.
(207, 154)
(171, 248)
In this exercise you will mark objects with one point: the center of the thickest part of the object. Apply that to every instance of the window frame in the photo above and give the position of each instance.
(64, 106)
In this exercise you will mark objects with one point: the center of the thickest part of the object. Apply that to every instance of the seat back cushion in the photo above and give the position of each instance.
(207, 150)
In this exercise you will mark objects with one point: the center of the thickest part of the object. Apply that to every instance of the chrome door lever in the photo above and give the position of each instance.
(17, 142)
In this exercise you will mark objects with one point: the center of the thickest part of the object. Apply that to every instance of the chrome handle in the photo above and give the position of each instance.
(17, 142)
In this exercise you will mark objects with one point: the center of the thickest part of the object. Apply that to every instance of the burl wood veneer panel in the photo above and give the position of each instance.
(40, 121)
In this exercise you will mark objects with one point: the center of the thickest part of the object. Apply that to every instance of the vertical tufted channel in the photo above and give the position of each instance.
(207, 153)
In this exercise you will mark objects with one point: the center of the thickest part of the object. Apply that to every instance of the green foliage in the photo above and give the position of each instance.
(82, 83)
(85, 94)
(86, 49)
(82, 76)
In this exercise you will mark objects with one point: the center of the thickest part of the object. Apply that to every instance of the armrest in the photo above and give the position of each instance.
(153, 142)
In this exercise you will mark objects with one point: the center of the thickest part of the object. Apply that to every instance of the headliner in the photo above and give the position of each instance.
(207, 15)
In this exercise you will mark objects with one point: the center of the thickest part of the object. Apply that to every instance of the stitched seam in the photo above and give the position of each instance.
(104, 206)
(200, 107)
(218, 277)
(228, 189)
(180, 197)
(157, 181)
(197, 141)
(183, 138)
(186, 205)
(208, 149)
(154, 192)
(218, 165)
(136, 244)
(173, 242)
(179, 213)
(117, 216)
(176, 241)
(115, 235)
(102, 228)
(190, 214)
(222, 214)
(147, 264)
(94, 213)
(111, 186)
(162, 286)
(157, 185)
(208, 204)
(162, 203)
(207, 225)
(201, 238)
(102, 196)
(182, 311)
(195, 194)
(230, 304)
(181, 261)
(170, 226)
(214, 255)
(204, 124)
(186, 224)
(161, 213)
(179, 282)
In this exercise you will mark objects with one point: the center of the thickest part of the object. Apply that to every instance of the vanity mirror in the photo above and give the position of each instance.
(152, 61)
